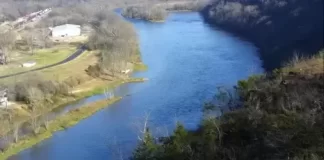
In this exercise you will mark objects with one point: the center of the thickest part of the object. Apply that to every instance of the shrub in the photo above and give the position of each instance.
(93, 70)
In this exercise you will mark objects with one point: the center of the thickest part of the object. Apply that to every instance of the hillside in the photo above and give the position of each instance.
(275, 26)
(281, 118)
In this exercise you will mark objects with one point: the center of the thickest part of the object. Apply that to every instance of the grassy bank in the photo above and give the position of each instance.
(73, 116)
(61, 123)
(140, 67)
(101, 88)
(95, 87)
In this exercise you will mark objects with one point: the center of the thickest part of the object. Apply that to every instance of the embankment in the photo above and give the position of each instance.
(68, 119)
(61, 123)
(279, 28)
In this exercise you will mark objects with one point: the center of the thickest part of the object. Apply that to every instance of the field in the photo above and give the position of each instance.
(42, 57)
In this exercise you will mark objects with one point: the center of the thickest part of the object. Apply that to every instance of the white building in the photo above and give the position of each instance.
(29, 64)
(66, 30)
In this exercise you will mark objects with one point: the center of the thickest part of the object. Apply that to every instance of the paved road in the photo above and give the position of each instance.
(68, 59)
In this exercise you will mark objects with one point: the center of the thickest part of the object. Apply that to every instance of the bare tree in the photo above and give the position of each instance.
(34, 121)
(46, 119)
(7, 41)
(36, 100)
(143, 127)
(16, 128)
(42, 37)
(109, 93)
(29, 40)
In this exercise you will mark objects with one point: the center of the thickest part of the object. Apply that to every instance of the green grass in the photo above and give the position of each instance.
(75, 68)
(109, 86)
(52, 55)
(42, 57)
(140, 67)
(61, 123)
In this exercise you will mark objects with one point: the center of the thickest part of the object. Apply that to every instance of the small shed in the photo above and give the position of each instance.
(66, 30)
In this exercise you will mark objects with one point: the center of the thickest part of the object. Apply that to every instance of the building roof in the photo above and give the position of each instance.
(66, 26)
(30, 62)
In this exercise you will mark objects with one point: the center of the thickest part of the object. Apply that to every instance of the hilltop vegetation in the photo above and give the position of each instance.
(275, 26)
(281, 118)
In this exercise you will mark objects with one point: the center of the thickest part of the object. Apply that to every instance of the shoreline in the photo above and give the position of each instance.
(160, 21)
(71, 118)
(75, 97)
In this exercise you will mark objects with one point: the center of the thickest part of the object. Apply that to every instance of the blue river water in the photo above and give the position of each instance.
(187, 60)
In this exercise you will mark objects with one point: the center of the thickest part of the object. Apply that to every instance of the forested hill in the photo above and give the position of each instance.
(280, 28)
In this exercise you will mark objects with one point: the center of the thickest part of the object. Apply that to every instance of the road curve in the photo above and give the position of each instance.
(68, 59)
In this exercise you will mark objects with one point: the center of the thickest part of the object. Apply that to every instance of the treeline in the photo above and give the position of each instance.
(275, 26)
(149, 13)
(11, 10)
(282, 117)
(38, 95)
(116, 41)
(185, 6)
(158, 12)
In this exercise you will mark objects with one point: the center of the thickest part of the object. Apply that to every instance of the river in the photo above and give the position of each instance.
(187, 60)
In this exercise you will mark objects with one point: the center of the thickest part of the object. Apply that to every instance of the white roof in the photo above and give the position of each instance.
(65, 26)
(30, 62)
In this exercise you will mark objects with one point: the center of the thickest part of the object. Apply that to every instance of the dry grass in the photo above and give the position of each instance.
(306, 65)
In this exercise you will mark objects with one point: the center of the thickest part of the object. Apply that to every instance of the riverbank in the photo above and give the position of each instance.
(74, 79)
(280, 116)
(276, 35)
(158, 12)
(61, 123)
(20, 112)
(93, 87)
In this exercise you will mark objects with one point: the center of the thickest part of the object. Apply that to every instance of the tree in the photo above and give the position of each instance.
(42, 37)
(36, 99)
(29, 40)
(7, 41)
(147, 148)
(16, 128)
(46, 119)
(116, 40)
